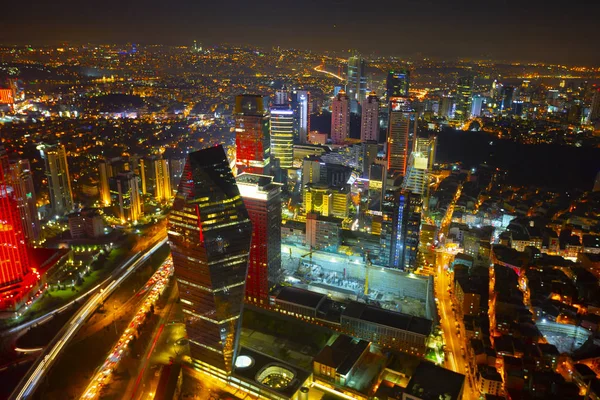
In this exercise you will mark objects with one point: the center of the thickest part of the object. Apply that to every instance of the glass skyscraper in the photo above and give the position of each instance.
(210, 232)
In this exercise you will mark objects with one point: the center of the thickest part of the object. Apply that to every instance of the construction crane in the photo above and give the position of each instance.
(368, 265)
(309, 254)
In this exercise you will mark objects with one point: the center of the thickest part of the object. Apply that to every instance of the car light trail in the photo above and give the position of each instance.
(43, 364)
(159, 282)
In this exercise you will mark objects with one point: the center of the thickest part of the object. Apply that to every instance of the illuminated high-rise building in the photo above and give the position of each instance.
(420, 164)
(22, 183)
(397, 84)
(252, 126)
(356, 80)
(262, 198)
(162, 177)
(369, 127)
(477, 106)
(104, 175)
(300, 106)
(210, 233)
(282, 97)
(282, 135)
(340, 118)
(402, 127)
(126, 197)
(405, 225)
(14, 260)
(57, 175)
(464, 94)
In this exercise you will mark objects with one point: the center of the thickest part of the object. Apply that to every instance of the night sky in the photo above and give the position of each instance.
(524, 30)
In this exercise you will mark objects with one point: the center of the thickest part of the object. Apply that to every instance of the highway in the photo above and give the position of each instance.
(158, 283)
(43, 364)
(318, 69)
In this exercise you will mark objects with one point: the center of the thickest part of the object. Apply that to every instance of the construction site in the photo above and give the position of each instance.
(345, 278)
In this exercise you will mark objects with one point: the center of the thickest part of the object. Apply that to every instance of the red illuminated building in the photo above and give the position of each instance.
(16, 277)
(252, 137)
(262, 198)
(7, 96)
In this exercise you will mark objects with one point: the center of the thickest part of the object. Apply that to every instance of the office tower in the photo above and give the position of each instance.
(14, 260)
(155, 178)
(447, 107)
(507, 97)
(300, 106)
(369, 128)
(262, 198)
(370, 150)
(340, 118)
(282, 97)
(104, 175)
(401, 128)
(595, 107)
(210, 233)
(356, 80)
(22, 183)
(420, 164)
(57, 175)
(176, 168)
(126, 197)
(252, 139)
(377, 176)
(282, 135)
(406, 222)
(162, 179)
(477, 105)
(397, 84)
(464, 93)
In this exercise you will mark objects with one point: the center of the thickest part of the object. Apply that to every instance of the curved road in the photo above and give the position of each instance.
(42, 365)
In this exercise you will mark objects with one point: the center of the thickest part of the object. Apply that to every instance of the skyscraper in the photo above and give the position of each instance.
(340, 118)
(397, 84)
(262, 198)
(126, 197)
(300, 106)
(14, 260)
(464, 94)
(252, 125)
(406, 222)
(401, 128)
(356, 80)
(209, 233)
(24, 191)
(162, 192)
(104, 175)
(57, 175)
(420, 164)
(369, 127)
(282, 135)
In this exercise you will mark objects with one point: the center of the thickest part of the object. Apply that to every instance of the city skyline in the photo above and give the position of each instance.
(513, 31)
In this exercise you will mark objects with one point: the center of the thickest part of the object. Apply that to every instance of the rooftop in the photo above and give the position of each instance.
(388, 318)
(430, 382)
(302, 297)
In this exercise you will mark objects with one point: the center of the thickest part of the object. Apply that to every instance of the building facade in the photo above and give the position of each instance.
(57, 175)
(262, 198)
(126, 197)
(282, 135)
(209, 233)
(24, 190)
(369, 126)
(340, 118)
(402, 127)
(252, 140)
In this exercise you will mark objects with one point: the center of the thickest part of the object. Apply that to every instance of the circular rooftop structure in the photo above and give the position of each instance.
(275, 376)
(242, 362)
